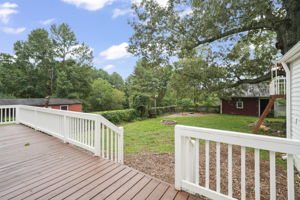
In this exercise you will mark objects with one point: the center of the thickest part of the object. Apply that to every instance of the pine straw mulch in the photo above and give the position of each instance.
(161, 166)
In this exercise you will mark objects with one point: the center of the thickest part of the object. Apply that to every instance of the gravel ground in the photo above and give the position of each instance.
(161, 166)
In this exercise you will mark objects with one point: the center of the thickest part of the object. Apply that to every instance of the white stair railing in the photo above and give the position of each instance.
(88, 131)
(278, 86)
(7, 114)
(187, 142)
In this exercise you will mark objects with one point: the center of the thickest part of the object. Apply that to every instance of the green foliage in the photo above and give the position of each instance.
(118, 116)
(104, 97)
(55, 64)
(149, 79)
(141, 104)
(185, 104)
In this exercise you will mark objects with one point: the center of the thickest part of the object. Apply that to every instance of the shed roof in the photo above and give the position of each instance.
(39, 101)
(252, 90)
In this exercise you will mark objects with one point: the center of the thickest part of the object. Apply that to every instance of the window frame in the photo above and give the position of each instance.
(239, 104)
(60, 107)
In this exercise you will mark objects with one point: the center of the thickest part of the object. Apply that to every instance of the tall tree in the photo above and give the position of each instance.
(66, 46)
(150, 79)
(35, 57)
(183, 25)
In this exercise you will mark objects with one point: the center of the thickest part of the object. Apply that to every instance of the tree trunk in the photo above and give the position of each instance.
(288, 33)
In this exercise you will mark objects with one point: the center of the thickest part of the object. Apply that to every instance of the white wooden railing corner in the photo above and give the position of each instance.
(89, 131)
(187, 141)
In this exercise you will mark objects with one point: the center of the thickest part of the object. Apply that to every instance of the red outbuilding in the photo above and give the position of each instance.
(250, 99)
(55, 103)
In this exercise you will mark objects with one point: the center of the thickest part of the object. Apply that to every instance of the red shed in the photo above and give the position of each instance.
(55, 103)
(250, 100)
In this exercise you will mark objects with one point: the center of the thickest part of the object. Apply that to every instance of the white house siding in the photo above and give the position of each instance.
(295, 104)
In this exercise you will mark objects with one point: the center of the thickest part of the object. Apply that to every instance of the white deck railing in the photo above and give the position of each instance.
(278, 86)
(187, 142)
(7, 114)
(88, 131)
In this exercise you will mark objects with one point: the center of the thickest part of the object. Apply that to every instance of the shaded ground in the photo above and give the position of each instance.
(189, 114)
(161, 166)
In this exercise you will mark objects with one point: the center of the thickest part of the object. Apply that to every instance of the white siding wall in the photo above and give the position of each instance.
(295, 103)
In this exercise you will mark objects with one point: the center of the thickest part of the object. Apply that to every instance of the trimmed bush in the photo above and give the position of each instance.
(118, 116)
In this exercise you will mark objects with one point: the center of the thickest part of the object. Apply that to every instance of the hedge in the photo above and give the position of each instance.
(129, 115)
(117, 116)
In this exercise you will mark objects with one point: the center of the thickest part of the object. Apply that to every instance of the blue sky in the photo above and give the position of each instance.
(101, 24)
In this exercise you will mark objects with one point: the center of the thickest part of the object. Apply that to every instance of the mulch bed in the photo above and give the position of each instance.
(161, 166)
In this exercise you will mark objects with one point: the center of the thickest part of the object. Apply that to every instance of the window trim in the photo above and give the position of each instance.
(241, 106)
(62, 106)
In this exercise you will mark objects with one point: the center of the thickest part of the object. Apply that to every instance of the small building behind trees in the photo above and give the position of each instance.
(55, 103)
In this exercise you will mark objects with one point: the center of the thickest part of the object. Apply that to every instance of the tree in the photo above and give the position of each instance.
(117, 81)
(66, 45)
(150, 79)
(105, 97)
(34, 58)
(197, 79)
(182, 26)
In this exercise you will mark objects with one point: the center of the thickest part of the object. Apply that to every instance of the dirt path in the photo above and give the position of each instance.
(161, 166)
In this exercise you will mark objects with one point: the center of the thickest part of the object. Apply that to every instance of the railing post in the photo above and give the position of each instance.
(97, 136)
(17, 113)
(65, 129)
(178, 159)
(120, 145)
(35, 126)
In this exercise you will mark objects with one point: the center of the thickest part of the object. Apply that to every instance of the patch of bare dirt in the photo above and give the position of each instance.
(161, 166)
(189, 114)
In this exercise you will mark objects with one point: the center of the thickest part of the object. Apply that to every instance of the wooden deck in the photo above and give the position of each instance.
(34, 165)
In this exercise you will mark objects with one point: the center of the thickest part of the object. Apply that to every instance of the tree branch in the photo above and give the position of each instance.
(231, 32)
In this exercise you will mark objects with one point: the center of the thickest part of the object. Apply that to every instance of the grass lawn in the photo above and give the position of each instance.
(152, 136)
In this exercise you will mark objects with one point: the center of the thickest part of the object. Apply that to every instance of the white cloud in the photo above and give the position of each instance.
(162, 3)
(10, 30)
(119, 12)
(47, 21)
(116, 52)
(108, 67)
(91, 5)
(7, 9)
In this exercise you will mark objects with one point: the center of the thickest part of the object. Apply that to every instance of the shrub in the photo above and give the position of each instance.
(117, 116)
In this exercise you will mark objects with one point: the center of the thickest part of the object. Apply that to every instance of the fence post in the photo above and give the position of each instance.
(97, 135)
(120, 145)
(178, 158)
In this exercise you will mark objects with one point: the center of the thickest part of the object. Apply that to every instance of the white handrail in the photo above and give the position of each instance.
(89, 131)
(187, 140)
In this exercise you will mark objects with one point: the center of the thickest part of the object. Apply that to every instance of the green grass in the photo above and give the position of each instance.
(152, 136)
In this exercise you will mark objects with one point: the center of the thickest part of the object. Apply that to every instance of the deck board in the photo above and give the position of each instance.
(49, 169)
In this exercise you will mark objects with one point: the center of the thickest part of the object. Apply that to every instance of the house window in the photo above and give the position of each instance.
(64, 107)
(239, 104)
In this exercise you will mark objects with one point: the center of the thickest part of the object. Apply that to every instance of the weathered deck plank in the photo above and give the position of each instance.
(46, 168)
